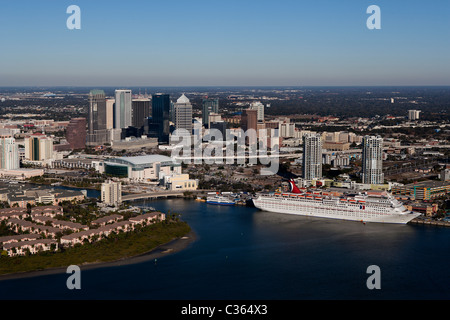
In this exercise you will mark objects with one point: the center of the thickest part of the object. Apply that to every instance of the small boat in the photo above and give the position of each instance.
(220, 200)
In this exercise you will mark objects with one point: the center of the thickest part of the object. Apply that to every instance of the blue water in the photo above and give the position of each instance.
(244, 253)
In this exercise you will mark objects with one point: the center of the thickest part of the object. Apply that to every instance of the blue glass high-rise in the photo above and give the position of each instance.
(160, 115)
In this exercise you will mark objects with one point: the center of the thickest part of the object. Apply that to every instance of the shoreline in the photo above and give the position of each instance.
(163, 250)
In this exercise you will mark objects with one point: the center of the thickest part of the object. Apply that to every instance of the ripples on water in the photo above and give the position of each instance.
(243, 253)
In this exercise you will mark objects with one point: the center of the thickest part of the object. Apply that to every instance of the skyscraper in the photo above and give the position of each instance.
(97, 122)
(160, 115)
(110, 113)
(372, 160)
(38, 147)
(122, 109)
(312, 156)
(259, 107)
(183, 114)
(249, 119)
(140, 111)
(97, 111)
(209, 106)
(76, 133)
(9, 153)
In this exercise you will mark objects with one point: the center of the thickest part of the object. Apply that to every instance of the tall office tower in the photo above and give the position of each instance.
(312, 156)
(38, 147)
(76, 133)
(9, 153)
(97, 132)
(172, 112)
(141, 109)
(372, 160)
(413, 114)
(122, 109)
(110, 113)
(209, 106)
(160, 115)
(249, 119)
(183, 114)
(259, 107)
(111, 193)
(97, 111)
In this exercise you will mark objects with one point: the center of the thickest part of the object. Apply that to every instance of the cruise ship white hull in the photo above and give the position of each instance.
(331, 211)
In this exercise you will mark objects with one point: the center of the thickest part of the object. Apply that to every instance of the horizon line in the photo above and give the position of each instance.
(223, 86)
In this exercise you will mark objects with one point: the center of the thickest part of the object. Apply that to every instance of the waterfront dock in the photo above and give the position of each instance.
(430, 222)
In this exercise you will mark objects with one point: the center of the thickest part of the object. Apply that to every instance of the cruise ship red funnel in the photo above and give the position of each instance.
(294, 188)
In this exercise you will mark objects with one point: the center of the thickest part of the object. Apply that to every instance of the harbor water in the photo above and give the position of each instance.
(243, 253)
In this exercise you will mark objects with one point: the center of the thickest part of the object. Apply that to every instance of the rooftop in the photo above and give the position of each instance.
(183, 99)
(142, 160)
(429, 184)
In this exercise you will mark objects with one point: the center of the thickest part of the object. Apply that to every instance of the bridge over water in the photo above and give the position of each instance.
(159, 195)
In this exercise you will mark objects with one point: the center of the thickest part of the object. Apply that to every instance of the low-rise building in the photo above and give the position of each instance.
(48, 211)
(33, 247)
(18, 213)
(428, 209)
(148, 218)
(69, 225)
(19, 237)
(107, 219)
(423, 190)
(180, 182)
(20, 226)
(107, 229)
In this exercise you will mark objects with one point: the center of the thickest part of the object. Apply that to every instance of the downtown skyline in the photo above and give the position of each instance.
(198, 43)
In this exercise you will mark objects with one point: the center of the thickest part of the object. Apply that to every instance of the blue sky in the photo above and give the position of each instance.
(220, 43)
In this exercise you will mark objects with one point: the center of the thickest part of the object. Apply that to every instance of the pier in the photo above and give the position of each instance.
(430, 222)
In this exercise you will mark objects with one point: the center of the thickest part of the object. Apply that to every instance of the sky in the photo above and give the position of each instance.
(224, 43)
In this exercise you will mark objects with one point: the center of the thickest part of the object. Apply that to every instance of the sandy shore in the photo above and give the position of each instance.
(163, 250)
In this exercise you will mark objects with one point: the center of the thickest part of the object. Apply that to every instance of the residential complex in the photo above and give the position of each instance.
(312, 157)
(111, 193)
(9, 153)
(372, 161)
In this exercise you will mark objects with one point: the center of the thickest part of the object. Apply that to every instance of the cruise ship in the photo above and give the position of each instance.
(324, 204)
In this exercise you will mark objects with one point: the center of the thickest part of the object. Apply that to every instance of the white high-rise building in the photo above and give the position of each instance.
(183, 114)
(312, 156)
(110, 113)
(413, 114)
(372, 160)
(9, 153)
(111, 193)
(259, 107)
(122, 109)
